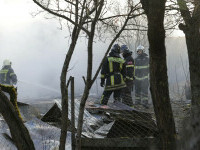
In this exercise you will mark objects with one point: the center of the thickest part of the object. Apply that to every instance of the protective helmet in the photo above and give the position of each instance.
(125, 50)
(115, 49)
(140, 47)
(6, 62)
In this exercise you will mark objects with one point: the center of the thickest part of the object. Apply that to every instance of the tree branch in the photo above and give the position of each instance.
(61, 16)
(70, 2)
(196, 12)
(112, 42)
(185, 13)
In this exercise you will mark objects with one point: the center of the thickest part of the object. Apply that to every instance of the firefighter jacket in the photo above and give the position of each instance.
(113, 70)
(129, 64)
(7, 76)
(142, 67)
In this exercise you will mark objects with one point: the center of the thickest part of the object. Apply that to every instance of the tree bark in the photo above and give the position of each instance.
(80, 117)
(155, 10)
(89, 74)
(73, 141)
(13, 97)
(193, 45)
(191, 29)
(64, 91)
(18, 131)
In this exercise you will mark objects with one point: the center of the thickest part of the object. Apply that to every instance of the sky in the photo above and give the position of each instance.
(37, 49)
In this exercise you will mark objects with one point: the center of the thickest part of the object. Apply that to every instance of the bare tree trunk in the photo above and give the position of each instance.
(13, 97)
(158, 72)
(64, 125)
(72, 115)
(191, 28)
(18, 131)
(80, 117)
(64, 92)
(89, 77)
(193, 46)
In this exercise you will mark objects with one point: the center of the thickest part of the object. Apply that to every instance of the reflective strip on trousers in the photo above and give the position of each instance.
(112, 80)
(142, 78)
(141, 67)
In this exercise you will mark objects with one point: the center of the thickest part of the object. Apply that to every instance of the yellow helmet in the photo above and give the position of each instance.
(6, 62)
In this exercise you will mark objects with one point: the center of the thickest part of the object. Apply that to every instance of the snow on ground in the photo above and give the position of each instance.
(44, 136)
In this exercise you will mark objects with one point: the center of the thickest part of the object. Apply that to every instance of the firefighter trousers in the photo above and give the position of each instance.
(141, 91)
(126, 95)
(106, 95)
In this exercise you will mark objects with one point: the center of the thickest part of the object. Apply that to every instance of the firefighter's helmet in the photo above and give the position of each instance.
(125, 50)
(116, 50)
(140, 48)
(7, 62)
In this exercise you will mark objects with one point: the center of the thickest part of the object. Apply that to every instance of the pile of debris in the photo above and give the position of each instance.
(114, 121)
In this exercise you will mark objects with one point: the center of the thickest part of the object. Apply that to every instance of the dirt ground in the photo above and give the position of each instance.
(181, 112)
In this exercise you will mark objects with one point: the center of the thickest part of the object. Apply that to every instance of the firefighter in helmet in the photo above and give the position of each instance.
(7, 75)
(141, 77)
(129, 64)
(113, 71)
(8, 78)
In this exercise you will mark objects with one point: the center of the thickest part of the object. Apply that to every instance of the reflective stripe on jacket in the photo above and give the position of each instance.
(113, 70)
(129, 63)
(7, 76)
(142, 67)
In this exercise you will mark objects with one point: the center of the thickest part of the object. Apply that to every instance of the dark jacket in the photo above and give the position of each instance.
(129, 63)
(113, 70)
(7, 76)
(142, 67)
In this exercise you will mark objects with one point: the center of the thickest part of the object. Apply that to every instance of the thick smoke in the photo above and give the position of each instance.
(38, 48)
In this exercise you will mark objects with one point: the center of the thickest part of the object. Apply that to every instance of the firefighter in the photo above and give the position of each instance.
(9, 79)
(7, 75)
(129, 64)
(141, 77)
(113, 71)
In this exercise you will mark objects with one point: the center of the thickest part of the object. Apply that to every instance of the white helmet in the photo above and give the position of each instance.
(6, 62)
(140, 47)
